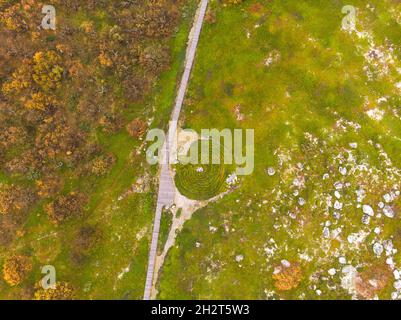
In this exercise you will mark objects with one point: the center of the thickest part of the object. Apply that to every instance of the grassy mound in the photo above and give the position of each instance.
(200, 181)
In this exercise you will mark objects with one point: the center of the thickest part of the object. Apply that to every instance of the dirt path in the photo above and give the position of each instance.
(166, 186)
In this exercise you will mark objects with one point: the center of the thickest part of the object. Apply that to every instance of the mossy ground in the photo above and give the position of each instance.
(305, 107)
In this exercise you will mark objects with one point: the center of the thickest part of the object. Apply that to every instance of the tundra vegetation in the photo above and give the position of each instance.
(319, 218)
(75, 103)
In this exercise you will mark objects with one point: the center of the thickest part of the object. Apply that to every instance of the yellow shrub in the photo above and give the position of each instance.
(61, 291)
(16, 268)
(47, 71)
(40, 101)
(105, 60)
(20, 79)
(288, 278)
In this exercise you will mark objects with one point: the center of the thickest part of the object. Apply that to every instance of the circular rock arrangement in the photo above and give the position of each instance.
(200, 181)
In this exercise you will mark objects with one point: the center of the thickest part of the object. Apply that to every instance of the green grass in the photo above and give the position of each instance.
(295, 106)
(165, 225)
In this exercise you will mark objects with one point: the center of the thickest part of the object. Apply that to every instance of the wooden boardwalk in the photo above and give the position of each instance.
(166, 191)
(165, 198)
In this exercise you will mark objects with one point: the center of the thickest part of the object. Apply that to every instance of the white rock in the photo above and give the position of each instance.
(326, 232)
(318, 292)
(348, 280)
(336, 215)
(348, 269)
(342, 170)
(342, 260)
(336, 232)
(360, 192)
(390, 261)
(377, 230)
(394, 295)
(351, 238)
(397, 284)
(368, 210)
(378, 249)
(338, 185)
(375, 114)
(388, 211)
(325, 176)
(388, 198)
(388, 246)
(301, 201)
(338, 205)
(231, 179)
(337, 194)
(332, 271)
(365, 219)
(381, 205)
(285, 263)
(396, 274)
(353, 145)
(277, 270)
(239, 258)
(271, 171)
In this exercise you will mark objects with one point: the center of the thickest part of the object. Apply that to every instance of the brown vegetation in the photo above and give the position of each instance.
(136, 128)
(14, 199)
(66, 207)
(85, 239)
(59, 89)
(372, 280)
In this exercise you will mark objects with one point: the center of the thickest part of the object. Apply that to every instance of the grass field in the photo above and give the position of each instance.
(325, 108)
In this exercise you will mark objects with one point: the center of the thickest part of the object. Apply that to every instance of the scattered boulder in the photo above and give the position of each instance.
(378, 248)
(368, 210)
(239, 258)
(388, 211)
(271, 171)
(332, 271)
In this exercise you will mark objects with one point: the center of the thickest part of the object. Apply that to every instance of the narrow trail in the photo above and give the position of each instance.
(166, 191)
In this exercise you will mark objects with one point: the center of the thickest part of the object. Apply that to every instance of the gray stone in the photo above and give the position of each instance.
(397, 284)
(271, 171)
(365, 219)
(368, 210)
(285, 263)
(378, 249)
(388, 211)
(326, 232)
